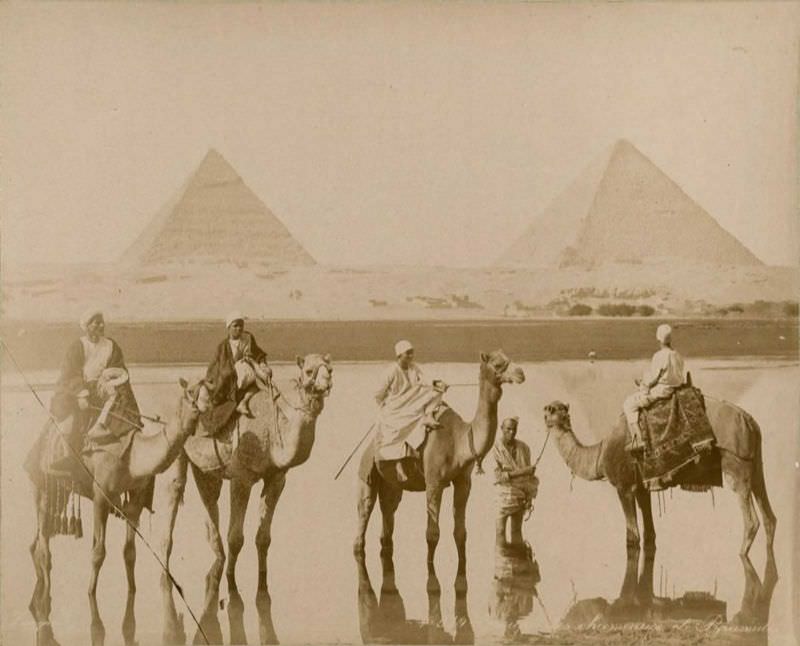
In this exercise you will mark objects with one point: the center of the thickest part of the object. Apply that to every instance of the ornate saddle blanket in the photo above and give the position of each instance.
(678, 442)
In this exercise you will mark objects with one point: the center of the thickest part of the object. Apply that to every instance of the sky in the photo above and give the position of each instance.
(389, 133)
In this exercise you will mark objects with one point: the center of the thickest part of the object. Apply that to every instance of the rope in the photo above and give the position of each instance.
(102, 491)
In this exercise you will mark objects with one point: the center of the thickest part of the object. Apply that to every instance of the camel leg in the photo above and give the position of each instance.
(176, 485)
(434, 504)
(643, 498)
(631, 525)
(240, 496)
(101, 510)
(500, 529)
(516, 528)
(133, 511)
(270, 494)
(762, 500)
(40, 551)
(389, 498)
(461, 488)
(367, 495)
(749, 518)
(209, 486)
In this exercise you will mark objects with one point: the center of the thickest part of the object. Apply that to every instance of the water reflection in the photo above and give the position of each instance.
(694, 613)
(516, 574)
(97, 629)
(384, 620)
(209, 630)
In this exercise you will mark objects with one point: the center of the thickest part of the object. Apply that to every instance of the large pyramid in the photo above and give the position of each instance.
(624, 209)
(216, 218)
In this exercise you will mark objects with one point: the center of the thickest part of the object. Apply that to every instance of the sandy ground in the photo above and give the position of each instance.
(378, 293)
(577, 529)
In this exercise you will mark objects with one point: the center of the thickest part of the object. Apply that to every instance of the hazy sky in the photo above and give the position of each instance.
(390, 132)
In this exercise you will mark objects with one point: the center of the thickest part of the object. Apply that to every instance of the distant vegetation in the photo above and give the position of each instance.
(611, 309)
(758, 309)
(624, 309)
(579, 309)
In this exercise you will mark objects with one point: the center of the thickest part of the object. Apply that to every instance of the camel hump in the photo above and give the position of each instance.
(734, 429)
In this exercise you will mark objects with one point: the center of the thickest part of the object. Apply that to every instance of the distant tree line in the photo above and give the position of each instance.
(611, 309)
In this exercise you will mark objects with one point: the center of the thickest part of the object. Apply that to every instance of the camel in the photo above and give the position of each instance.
(266, 450)
(448, 456)
(738, 440)
(147, 455)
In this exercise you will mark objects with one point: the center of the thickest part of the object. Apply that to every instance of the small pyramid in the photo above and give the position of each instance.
(216, 218)
(623, 208)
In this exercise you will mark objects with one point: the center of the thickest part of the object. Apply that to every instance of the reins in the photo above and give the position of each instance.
(98, 487)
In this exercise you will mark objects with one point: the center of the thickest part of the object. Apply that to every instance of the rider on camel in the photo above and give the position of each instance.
(666, 373)
(81, 378)
(408, 404)
(238, 364)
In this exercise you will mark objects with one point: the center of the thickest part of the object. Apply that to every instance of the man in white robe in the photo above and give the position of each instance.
(666, 373)
(407, 405)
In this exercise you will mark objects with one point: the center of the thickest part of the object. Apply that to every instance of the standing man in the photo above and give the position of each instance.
(666, 373)
(407, 405)
(237, 364)
(515, 479)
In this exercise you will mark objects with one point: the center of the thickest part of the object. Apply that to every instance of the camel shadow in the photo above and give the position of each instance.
(209, 629)
(692, 612)
(40, 607)
(383, 619)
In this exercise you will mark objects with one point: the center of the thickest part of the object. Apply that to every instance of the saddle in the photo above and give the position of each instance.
(678, 442)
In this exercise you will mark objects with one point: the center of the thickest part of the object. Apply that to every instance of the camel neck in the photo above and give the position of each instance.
(583, 461)
(484, 425)
(292, 441)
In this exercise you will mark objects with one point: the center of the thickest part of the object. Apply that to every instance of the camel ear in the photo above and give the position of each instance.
(184, 384)
(484, 357)
(299, 360)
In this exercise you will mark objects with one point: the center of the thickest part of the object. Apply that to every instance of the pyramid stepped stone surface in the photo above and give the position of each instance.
(216, 218)
(624, 209)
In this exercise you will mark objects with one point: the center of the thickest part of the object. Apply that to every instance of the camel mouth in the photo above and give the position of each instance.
(514, 375)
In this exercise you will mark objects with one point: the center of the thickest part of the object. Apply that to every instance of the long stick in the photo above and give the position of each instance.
(353, 452)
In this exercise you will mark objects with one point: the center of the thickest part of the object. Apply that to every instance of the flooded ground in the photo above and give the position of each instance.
(577, 528)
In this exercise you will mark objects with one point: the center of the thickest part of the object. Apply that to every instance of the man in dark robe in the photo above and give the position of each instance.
(238, 364)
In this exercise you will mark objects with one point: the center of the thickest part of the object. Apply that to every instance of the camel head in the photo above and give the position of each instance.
(556, 415)
(197, 397)
(316, 374)
(497, 369)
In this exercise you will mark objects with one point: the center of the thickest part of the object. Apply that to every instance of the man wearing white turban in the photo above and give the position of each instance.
(237, 363)
(407, 405)
(87, 359)
(666, 373)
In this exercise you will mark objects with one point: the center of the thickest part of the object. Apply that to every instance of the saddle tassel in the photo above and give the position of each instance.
(71, 522)
(78, 521)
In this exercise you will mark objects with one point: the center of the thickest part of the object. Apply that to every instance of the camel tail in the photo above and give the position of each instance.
(759, 485)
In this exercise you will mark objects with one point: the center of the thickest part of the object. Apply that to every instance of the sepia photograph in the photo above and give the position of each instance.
(399, 323)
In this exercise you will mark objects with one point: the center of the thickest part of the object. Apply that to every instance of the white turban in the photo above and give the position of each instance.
(233, 316)
(88, 315)
(663, 333)
(401, 347)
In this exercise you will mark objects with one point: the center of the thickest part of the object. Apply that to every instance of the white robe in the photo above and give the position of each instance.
(404, 397)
